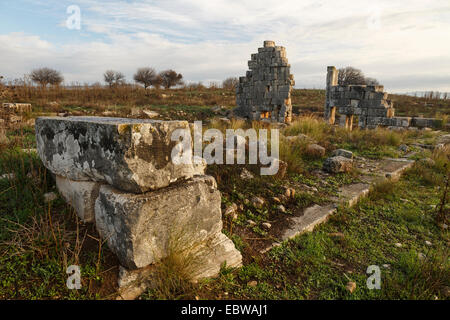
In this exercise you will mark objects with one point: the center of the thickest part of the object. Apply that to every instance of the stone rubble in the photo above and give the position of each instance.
(265, 92)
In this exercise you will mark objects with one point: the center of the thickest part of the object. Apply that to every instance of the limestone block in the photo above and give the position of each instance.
(143, 229)
(132, 155)
(337, 164)
(81, 195)
(342, 153)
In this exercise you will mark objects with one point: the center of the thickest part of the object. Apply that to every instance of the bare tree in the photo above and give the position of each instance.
(230, 83)
(114, 78)
(46, 76)
(170, 78)
(350, 75)
(146, 76)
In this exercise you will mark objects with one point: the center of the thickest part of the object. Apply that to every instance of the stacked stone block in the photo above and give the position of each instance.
(118, 173)
(369, 103)
(265, 91)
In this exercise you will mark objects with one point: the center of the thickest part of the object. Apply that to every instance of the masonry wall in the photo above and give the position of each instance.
(265, 91)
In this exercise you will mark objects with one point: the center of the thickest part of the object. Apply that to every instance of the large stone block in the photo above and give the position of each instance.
(81, 195)
(143, 229)
(132, 155)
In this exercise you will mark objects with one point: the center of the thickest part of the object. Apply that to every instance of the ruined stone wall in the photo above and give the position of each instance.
(265, 91)
(370, 103)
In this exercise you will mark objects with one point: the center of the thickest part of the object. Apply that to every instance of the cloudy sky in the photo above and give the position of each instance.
(404, 44)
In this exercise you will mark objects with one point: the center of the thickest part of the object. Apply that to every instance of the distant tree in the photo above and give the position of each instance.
(372, 82)
(146, 76)
(230, 83)
(170, 78)
(46, 76)
(350, 75)
(114, 78)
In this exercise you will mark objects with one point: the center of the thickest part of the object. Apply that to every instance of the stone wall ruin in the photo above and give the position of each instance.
(265, 92)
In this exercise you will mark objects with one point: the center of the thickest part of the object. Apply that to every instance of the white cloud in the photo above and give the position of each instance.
(211, 40)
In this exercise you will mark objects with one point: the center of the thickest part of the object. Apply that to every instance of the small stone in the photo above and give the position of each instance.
(342, 153)
(386, 266)
(267, 225)
(252, 283)
(8, 176)
(428, 243)
(421, 256)
(257, 202)
(50, 196)
(289, 192)
(351, 286)
(230, 210)
(251, 223)
(281, 208)
(315, 150)
(398, 245)
(403, 148)
(276, 199)
(150, 114)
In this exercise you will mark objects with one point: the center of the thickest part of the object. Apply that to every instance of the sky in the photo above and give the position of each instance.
(403, 44)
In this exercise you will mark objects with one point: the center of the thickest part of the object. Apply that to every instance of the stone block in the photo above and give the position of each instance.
(81, 195)
(337, 164)
(143, 229)
(132, 155)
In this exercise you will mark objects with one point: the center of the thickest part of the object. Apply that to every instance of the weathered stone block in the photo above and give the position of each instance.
(132, 155)
(81, 195)
(337, 164)
(143, 229)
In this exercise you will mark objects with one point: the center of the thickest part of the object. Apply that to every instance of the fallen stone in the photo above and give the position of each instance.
(444, 139)
(132, 155)
(81, 195)
(8, 176)
(150, 114)
(281, 208)
(267, 225)
(252, 283)
(251, 223)
(337, 164)
(246, 175)
(403, 148)
(342, 153)
(143, 229)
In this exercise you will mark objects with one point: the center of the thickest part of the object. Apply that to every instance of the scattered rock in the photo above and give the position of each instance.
(289, 192)
(339, 235)
(251, 223)
(50, 196)
(351, 286)
(231, 211)
(342, 153)
(216, 109)
(252, 283)
(445, 139)
(398, 245)
(281, 208)
(267, 225)
(428, 162)
(276, 199)
(257, 202)
(428, 243)
(386, 266)
(315, 150)
(421, 256)
(246, 175)
(337, 164)
(8, 176)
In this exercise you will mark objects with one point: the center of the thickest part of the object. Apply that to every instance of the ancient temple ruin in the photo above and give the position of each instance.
(369, 103)
(265, 91)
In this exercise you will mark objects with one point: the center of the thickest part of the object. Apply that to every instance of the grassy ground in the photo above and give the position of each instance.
(39, 240)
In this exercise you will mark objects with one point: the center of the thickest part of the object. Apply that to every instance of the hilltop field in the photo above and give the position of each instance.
(400, 225)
